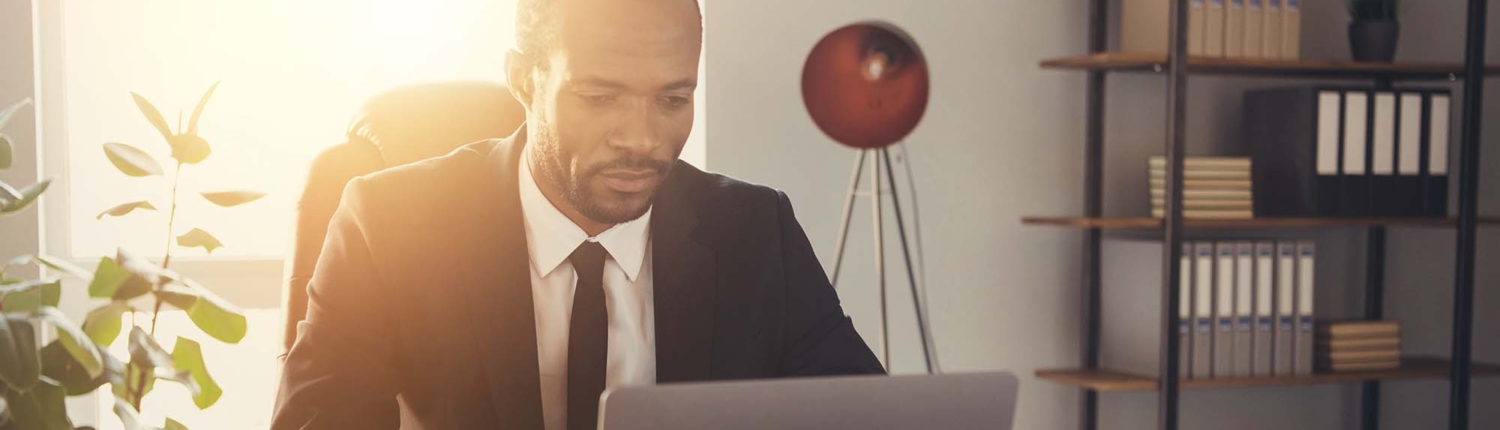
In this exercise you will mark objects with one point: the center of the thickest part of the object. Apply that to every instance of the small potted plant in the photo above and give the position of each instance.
(1373, 29)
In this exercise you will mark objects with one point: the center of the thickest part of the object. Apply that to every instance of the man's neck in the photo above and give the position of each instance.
(556, 198)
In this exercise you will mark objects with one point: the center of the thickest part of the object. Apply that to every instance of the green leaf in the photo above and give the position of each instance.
(58, 364)
(11, 110)
(28, 296)
(6, 156)
(143, 275)
(197, 238)
(103, 323)
(19, 260)
(61, 265)
(128, 416)
(189, 357)
(107, 278)
(74, 339)
(131, 161)
(189, 149)
(181, 377)
(173, 424)
(28, 286)
(8, 193)
(40, 408)
(211, 313)
(198, 111)
(22, 302)
(130, 377)
(28, 196)
(153, 116)
(20, 364)
(233, 198)
(126, 208)
(146, 352)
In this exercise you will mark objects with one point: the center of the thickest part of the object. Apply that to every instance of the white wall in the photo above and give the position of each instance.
(1003, 139)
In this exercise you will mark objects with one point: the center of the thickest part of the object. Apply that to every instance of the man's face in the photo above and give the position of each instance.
(613, 105)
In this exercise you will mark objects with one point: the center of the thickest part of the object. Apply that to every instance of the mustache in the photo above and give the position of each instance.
(633, 163)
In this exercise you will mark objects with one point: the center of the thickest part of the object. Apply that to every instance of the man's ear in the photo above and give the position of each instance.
(519, 77)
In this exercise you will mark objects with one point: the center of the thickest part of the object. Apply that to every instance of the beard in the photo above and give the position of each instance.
(577, 183)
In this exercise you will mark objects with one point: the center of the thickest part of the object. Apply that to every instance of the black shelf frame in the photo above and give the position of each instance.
(1177, 74)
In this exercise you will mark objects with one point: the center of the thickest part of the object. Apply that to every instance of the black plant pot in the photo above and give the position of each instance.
(1374, 41)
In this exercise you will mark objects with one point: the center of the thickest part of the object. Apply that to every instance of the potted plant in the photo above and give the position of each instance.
(1373, 29)
(35, 378)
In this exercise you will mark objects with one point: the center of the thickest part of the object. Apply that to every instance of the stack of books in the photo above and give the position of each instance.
(1359, 346)
(1262, 29)
(1212, 188)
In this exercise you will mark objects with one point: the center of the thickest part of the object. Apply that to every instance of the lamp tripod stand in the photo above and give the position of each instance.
(881, 163)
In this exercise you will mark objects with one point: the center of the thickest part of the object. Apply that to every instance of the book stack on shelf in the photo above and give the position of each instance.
(1212, 188)
(1252, 29)
(1349, 346)
(1247, 309)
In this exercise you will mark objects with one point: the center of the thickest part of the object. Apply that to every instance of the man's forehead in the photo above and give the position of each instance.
(651, 44)
(640, 24)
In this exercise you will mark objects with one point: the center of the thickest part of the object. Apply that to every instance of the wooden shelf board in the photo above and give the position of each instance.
(1112, 381)
(1148, 62)
(1141, 223)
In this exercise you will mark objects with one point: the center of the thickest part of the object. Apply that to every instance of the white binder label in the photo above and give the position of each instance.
(1328, 133)
(1287, 277)
(1306, 252)
(1385, 135)
(1356, 104)
(1410, 163)
(1437, 164)
(1203, 270)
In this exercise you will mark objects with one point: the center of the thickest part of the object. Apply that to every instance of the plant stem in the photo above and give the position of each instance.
(172, 216)
(166, 259)
(138, 391)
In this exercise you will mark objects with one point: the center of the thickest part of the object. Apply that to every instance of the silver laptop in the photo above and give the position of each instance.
(952, 401)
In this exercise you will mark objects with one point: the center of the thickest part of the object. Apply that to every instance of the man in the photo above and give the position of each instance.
(509, 283)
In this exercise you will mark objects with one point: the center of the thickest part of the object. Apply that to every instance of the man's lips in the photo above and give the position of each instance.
(629, 180)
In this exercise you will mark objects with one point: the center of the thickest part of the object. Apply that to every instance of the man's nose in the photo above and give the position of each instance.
(636, 131)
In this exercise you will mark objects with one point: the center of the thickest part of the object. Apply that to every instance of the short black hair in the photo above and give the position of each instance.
(536, 25)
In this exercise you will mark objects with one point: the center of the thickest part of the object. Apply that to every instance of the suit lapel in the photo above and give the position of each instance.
(499, 297)
(684, 287)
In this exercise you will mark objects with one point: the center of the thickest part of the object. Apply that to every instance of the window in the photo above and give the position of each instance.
(293, 74)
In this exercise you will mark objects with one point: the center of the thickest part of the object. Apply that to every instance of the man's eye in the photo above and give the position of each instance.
(597, 99)
(675, 101)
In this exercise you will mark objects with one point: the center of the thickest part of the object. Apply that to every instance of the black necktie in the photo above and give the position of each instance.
(588, 338)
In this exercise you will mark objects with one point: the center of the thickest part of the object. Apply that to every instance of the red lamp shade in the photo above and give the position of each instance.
(865, 85)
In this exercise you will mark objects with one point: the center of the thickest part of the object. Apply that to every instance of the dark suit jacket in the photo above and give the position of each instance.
(423, 292)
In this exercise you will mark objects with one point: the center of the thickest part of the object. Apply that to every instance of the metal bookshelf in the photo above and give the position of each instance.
(1177, 67)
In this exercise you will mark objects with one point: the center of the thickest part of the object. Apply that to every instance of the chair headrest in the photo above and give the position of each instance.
(422, 121)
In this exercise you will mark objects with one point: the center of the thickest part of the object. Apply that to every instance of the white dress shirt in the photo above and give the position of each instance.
(551, 237)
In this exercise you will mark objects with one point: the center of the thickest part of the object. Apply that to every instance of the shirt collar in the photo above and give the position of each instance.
(551, 237)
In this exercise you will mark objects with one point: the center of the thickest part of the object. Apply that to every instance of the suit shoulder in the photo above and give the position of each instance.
(440, 173)
(721, 190)
(444, 168)
(427, 192)
(733, 208)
